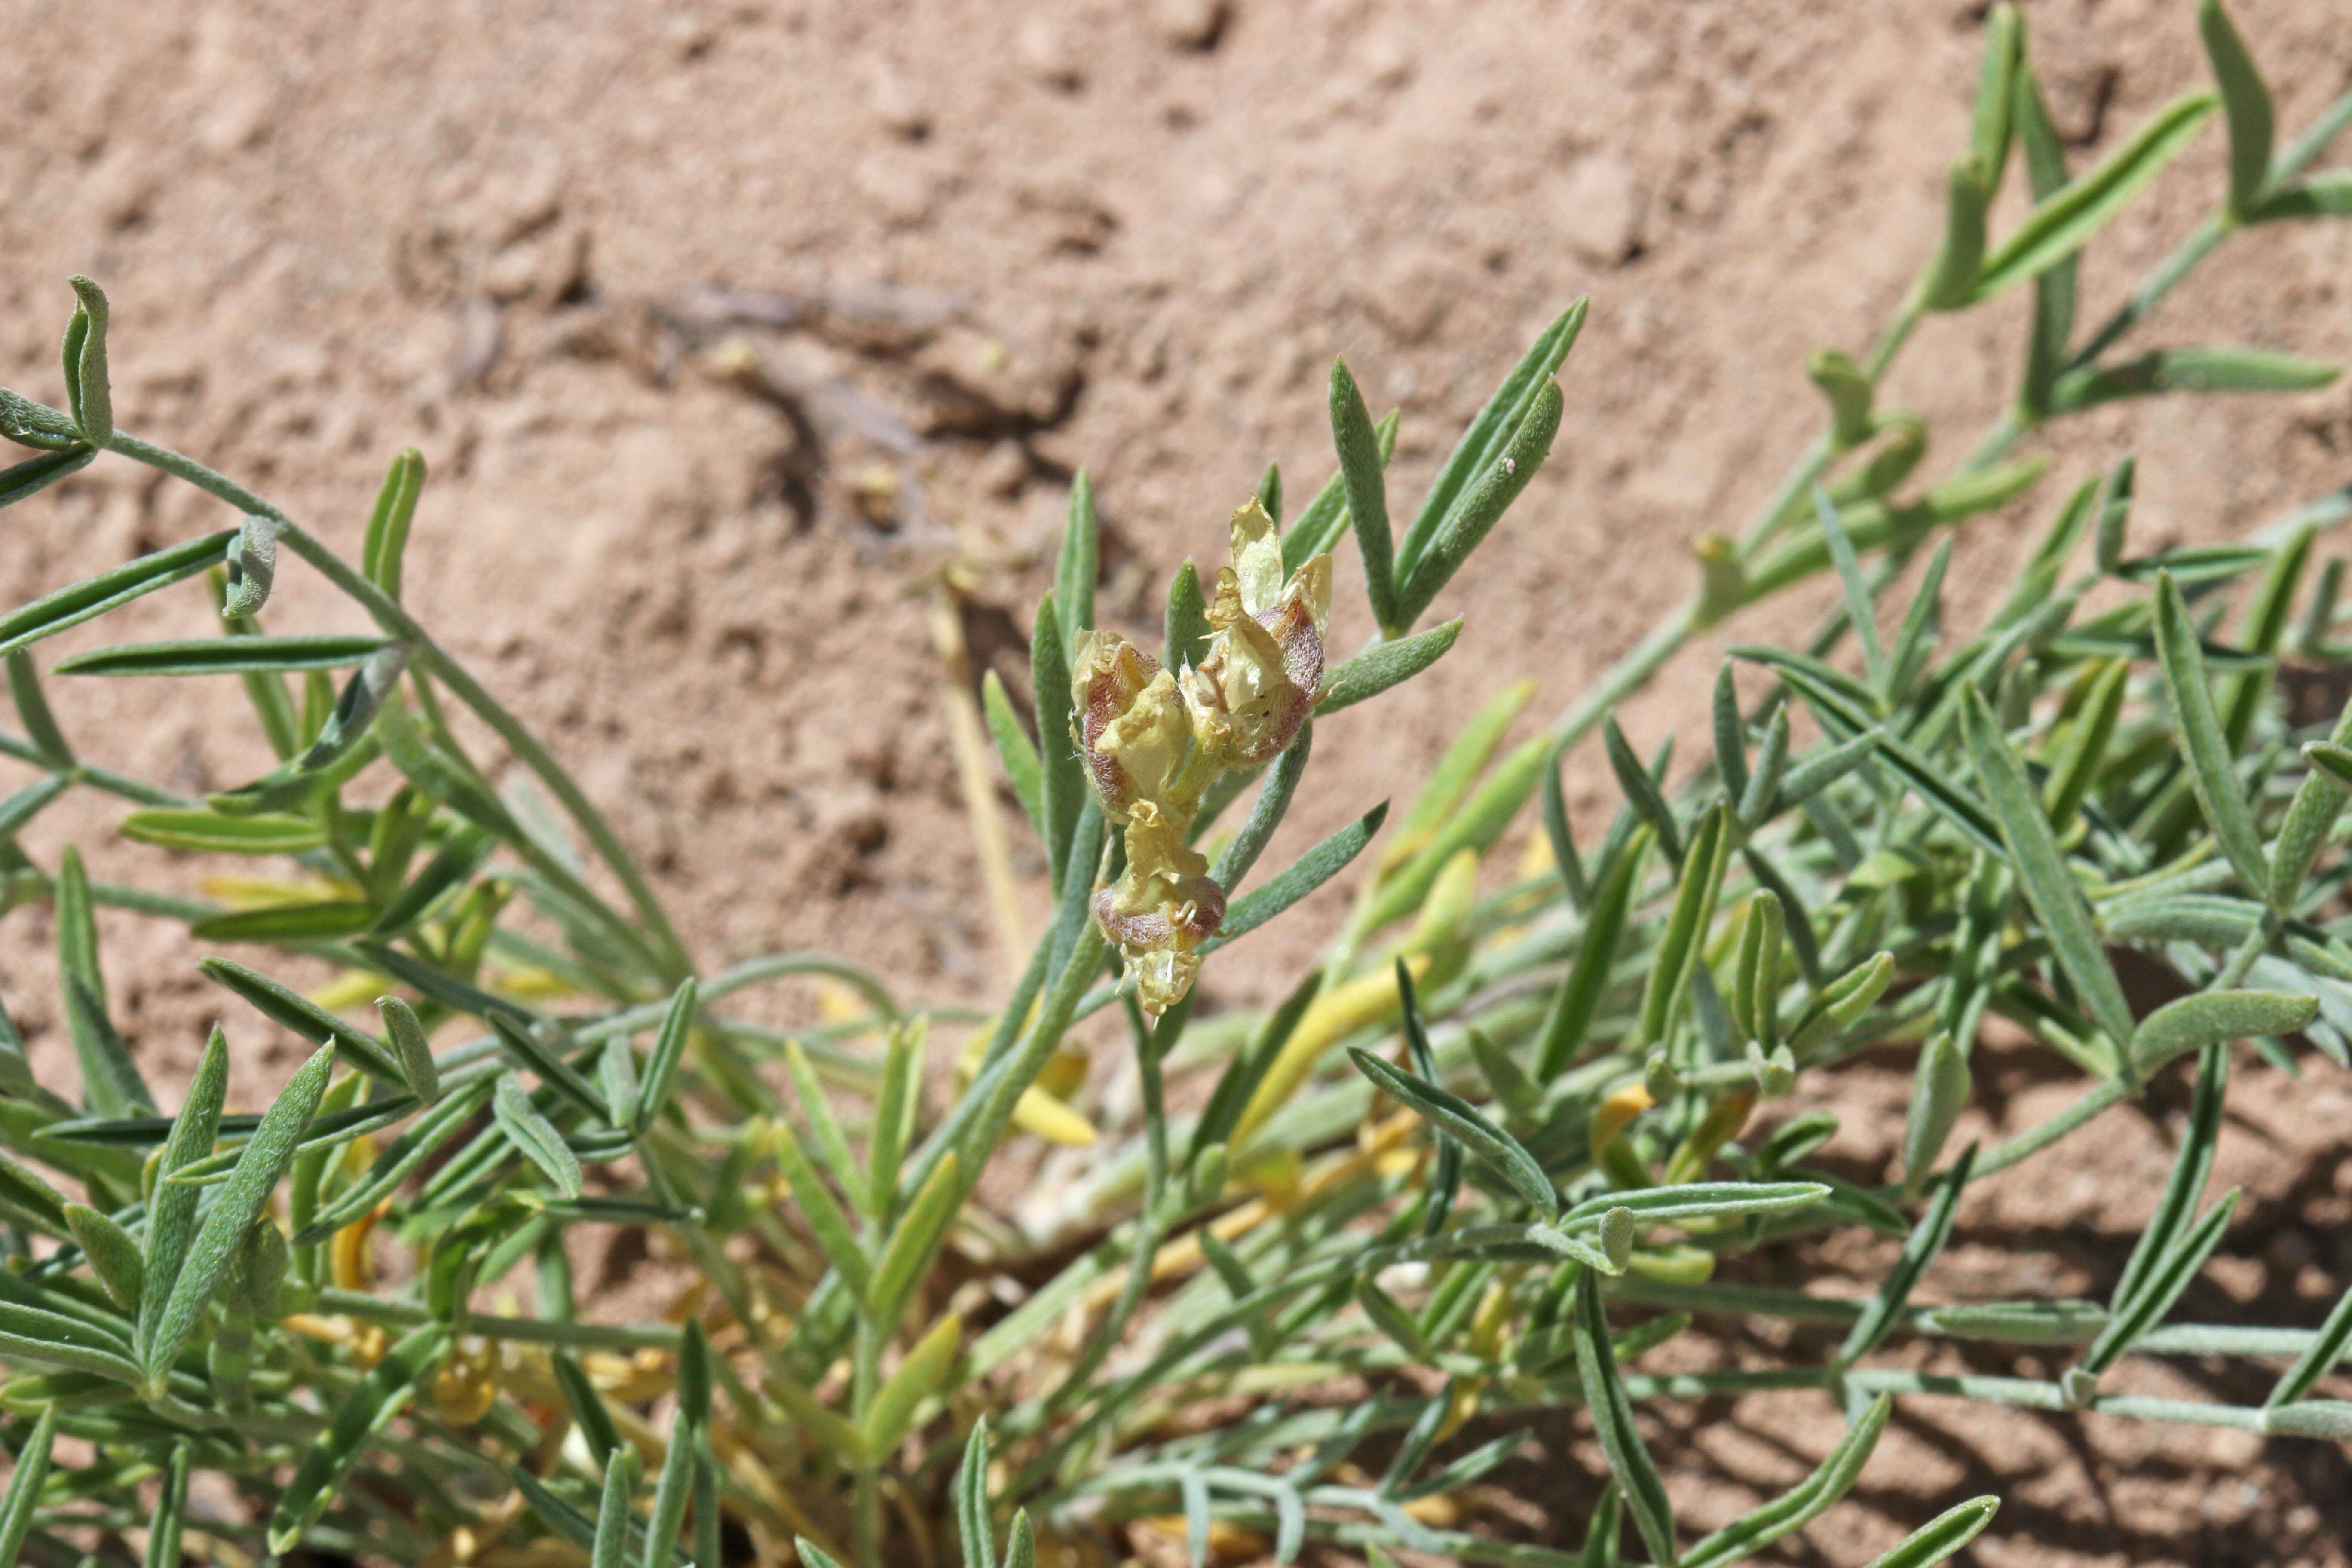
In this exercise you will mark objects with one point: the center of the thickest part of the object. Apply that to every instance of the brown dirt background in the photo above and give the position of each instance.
(726, 327)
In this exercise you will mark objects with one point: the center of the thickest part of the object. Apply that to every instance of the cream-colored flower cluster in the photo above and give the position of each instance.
(1154, 740)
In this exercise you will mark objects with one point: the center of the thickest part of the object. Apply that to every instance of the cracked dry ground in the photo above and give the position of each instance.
(731, 331)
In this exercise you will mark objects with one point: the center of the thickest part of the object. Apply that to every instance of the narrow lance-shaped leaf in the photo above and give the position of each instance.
(113, 1255)
(921, 1376)
(1951, 280)
(111, 1085)
(1940, 1537)
(1861, 610)
(1612, 1420)
(1682, 947)
(1989, 131)
(385, 543)
(33, 710)
(24, 1483)
(233, 1212)
(1640, 789)
(973, 1532)
(1303, 875)
(2192, 1165)
(225, 655)
(1496, 424)
(1273, 801)
(1730, 734)
(1483, 505)
(2212, 771)
(535, 1135)
(2041, 869)
(170, 1514)
(1061, 787)
(2061, 224)
(1455, 1117)
(917, 1240)
(1577, 1000)
(307, 1018)
(1361, 472)
(2215, 369)
(2319, 1357)
(1013, 747)
(249, 568)
(269, 833)
(524, 1046)
(1384, 665)
(1076, 571)
(94, 596)
(2217, 1017)
(826, 1222)
(1799, 1506)
(669, 1050)
(415, 1052)
(2160, 1288)
(2245, 104)
(613, 1512)
(587, 1407)
(172, 1211)
(832, 1143)
(1926, 1239)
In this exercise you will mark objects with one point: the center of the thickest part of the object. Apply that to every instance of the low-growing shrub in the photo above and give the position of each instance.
(1489, 1153)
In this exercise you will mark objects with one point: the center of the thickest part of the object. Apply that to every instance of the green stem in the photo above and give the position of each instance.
(398, 623)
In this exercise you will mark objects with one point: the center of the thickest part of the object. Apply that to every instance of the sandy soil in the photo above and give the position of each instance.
(726, 328)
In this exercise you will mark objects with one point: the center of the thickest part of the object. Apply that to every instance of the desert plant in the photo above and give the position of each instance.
(1486, 1117)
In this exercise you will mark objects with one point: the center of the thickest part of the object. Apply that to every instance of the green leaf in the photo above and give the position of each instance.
(1885, 1308)
(669, 1050)
(172, 1211)
(171, 1511)
(2160, 1286)
(1247, 1070)
(2318, 1358)
(1483, 505)
(2327, 195)
(534, 1134)
(29, 479)
(460, 856)
(1696, 1200)
(88, 387)
(2216, 1017)
(1577, 1000)
(111, 1085)
(1612, 1420)
(835, 1236)
(2211, 769)
(356, 1047)
(1013, 747)
(37, 425)
(248, 573)
(225, 655)
(916, 1241)
(923, 1374)
(1384, 665)
(1302, 876)
(329, 1128)
(832, 1146)
(113, 1255)
(1076, 569)
(1062, 784)
(2041, 868)
(2062, 224)
(1491, 433)
(524, 1045)
(973, 1532)
(1186, 626)
(1946, 1533)
(24, 1483)
(597, 1428)
(1641, 791)
(1318, 528)
(1458, 1119)
(1682, 946)
(1802, 1503)
(2218, 368)
(386, 542)
(94, 596)
(385, 1391)
(337, 753)
(1361, 472)
(611, 1545)
(1249, 841)
(328, 920)
(407, 1032)
(2245, 104)
(1849, 393)
(233, 1212)
(1951, 280)
(40, 1202)
(1861, 609)
(48, 741)
(30, 801)
(266, 833)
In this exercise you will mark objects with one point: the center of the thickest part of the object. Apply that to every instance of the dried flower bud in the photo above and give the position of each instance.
(1132, 730)
(1264, 669)
(1161, 910)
